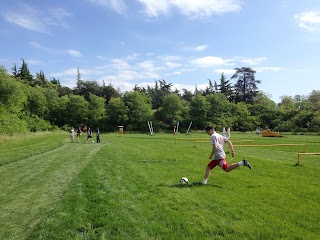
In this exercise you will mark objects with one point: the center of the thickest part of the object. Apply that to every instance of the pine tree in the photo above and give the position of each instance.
(25, 75)
(246, 86)
(225, 87)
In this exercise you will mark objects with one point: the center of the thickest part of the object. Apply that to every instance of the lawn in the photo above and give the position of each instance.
(128, 188)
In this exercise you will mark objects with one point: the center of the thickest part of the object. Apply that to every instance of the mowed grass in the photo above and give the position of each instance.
(128, 188)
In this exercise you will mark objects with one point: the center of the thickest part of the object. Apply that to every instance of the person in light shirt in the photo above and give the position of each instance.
(218, 155)
(72, 135)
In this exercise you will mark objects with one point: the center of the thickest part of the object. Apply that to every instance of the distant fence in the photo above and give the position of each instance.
(272, 145)
(230, 140)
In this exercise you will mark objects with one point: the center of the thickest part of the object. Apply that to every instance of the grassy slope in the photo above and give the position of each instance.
(35, 172)
(128, 188)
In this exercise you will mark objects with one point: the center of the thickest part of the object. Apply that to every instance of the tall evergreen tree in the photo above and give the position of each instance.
(15, 73)
(25, 75)
(78, 75)
(246, 86)
(84, 88)
(225, 87)
(109, 92)
(209, 89)
(158, 93)
(186, 95)
(216, 86)
(41, 79)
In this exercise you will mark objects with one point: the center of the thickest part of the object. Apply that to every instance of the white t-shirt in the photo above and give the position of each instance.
(218, 140)
(71, 133)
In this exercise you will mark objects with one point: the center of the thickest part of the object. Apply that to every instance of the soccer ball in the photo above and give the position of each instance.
(184, 180)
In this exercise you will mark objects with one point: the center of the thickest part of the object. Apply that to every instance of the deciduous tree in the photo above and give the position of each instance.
(139, 109)
(172, 110)
(199, 108)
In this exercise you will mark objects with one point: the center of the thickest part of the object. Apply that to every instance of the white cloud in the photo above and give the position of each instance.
(172, 64)
(170, 58)
(274, 69)
(190, 8)
(36, 20)
(26, 19)
(127, 75)
(117, 5)
(43, 48)
(121, 71)
(211, 61)
(124, 73)
(146, 65)
(229, 71)
(73, 53)
(35, 44)
(179, 86)
(201, 48)
(253, 61)
(155, 8)
(205, 8)
(67, 72)
(121, 76)
(120, 64)
(56, 17)
(101, 57)
(70, 52)
(85, 72)
(149, 66)
(34, 62)
(309, 21)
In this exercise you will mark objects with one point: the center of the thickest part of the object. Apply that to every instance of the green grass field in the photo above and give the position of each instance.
(128, 188)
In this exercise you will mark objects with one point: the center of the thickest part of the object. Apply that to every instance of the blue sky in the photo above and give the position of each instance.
(184, 42)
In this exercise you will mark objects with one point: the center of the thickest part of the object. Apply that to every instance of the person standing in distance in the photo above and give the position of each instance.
(218, 155)
(72, 135)
(89, 134)
(98, 135)
(79, 133)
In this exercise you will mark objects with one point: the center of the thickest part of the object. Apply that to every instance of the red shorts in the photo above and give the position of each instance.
(221, 162)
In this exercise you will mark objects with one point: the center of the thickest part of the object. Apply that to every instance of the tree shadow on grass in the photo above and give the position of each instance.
(189, 185)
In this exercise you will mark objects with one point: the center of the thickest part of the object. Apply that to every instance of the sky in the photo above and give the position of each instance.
(184, 42)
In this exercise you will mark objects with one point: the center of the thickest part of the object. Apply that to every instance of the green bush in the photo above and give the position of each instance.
(36, 124)
(11, 123)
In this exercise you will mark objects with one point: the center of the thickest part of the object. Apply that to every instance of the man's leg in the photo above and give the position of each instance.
(207, 175)
(244, 162)
(231, 167)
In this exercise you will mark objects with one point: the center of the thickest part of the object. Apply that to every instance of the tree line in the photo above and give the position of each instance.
(34, 103)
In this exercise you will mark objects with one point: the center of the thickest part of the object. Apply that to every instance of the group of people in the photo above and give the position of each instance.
(89, 134)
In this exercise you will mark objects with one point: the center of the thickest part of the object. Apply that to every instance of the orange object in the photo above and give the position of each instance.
(270, 134)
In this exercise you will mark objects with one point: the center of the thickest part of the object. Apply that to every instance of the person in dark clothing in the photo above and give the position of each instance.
(89, 135)
(98, 135)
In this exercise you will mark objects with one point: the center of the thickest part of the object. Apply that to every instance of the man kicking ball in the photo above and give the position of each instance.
(218, 156)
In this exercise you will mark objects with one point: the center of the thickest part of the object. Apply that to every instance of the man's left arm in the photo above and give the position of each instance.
(231, 147)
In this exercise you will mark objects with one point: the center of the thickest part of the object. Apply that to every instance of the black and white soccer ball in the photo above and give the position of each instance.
(184, 180)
